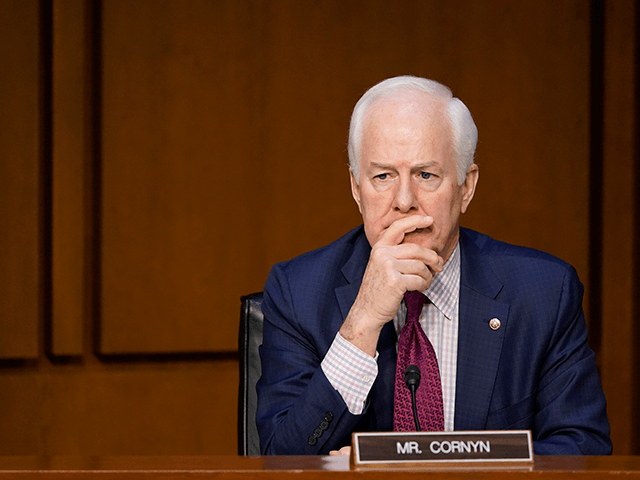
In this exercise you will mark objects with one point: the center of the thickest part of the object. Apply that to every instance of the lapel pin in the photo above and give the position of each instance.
(494, 323)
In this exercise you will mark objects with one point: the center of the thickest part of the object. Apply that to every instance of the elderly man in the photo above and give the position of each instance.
(505, 323)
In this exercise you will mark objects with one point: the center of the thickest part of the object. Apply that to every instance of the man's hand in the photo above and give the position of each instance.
(342, 451)
(394, 268)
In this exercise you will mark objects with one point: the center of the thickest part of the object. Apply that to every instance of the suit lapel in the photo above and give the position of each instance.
(353, 271)
(479, 346)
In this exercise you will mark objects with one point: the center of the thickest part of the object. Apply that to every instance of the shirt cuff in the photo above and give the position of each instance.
(351, 372)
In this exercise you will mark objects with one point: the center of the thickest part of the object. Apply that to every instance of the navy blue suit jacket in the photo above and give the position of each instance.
(535, 372)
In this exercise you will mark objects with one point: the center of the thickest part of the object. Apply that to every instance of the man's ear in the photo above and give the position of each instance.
(469, 186)
(355, 190)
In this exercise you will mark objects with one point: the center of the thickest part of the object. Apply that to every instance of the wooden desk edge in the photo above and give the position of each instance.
(310, 466)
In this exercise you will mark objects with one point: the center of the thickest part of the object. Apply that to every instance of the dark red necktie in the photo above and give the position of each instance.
(414, 348)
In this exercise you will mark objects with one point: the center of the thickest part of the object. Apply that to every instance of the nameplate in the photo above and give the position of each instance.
(441, 447)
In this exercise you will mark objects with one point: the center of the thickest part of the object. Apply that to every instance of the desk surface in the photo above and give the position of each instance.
(231, 467)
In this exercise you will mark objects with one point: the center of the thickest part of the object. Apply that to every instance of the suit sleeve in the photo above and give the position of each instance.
(571, 417)
(299, 412)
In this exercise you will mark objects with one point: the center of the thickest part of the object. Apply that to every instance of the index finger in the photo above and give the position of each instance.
(394, 234)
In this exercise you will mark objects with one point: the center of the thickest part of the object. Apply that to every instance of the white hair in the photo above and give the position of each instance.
(465, 133)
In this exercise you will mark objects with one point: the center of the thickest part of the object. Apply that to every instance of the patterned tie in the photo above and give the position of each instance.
(414, 348)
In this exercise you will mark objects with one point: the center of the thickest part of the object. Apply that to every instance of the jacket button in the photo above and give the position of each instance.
(328, 417)
(312, 440)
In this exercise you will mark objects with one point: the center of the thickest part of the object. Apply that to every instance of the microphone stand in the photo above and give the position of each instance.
(412, 379)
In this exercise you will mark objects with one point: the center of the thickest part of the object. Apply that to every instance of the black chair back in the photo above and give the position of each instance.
(249, 340)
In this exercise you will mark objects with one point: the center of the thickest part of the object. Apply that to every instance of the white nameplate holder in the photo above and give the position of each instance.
(508, 446)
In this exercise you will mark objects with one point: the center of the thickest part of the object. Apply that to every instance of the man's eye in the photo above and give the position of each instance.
(381, 176)
(426, 175)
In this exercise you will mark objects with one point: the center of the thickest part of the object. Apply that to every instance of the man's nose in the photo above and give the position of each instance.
(405, 198)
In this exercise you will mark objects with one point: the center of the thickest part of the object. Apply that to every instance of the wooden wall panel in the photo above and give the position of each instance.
(21, 300)
(70, 156)
(137, 409)
(620, 177)
(224, 131)
(182, 173)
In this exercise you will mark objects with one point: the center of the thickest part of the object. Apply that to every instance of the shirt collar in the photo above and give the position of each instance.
(444, 290)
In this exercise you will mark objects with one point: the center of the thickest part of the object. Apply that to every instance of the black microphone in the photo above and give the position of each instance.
(412, 379)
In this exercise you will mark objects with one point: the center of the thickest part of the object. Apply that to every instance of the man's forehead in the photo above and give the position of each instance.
(398, 125)
(406, 115)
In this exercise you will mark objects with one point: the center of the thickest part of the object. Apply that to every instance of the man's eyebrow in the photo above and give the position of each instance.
(433, 163)
(384, 166)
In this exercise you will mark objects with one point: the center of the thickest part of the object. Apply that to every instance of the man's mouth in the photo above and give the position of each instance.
(417, 231)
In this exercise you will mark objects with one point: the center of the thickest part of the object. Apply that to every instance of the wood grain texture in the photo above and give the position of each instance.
(21, 301)
(306, 467)
(619, 352)
(224, 132)
(134, 409)
(181, 175)
(70, 156)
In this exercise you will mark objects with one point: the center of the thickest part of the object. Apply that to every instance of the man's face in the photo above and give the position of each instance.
(407, 167)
